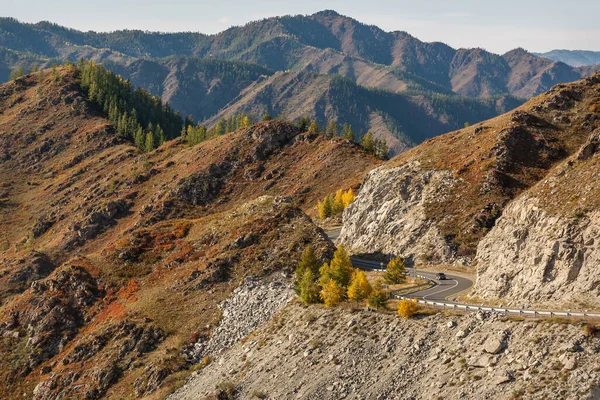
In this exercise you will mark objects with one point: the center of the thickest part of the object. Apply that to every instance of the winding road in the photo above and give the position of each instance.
(439, 292)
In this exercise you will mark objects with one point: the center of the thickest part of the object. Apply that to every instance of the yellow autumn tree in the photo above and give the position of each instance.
(338, 202)
(395, 272)
(378, 297)
(332, 293)
(348, 197)
(360, 288)
(341, 267)
(325, 207)
(407, 308)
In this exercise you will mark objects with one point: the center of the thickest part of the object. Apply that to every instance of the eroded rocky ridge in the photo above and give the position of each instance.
(390, 214)
(436, 202)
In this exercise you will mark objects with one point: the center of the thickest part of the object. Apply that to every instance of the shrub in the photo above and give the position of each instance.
(378, 298)
(590, 330)
(407, 308)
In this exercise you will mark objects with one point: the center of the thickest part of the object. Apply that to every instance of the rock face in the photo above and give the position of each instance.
(532, 255)
(316, 353)
(389, 214)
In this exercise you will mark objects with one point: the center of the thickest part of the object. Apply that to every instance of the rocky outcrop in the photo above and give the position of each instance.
(533, 255)
(389, 214)
(54, 312)
(316, 353)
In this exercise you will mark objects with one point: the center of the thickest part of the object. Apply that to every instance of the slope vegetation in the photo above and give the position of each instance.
(114, 261)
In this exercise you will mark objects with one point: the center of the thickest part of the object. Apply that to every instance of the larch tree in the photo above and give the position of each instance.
(313, 127)
(332, 293)
(378, 297)
(348, 197)
(332, 129)
(308, 262)
(360, 288)
(341, 267)
(309, 290)
(395, 271)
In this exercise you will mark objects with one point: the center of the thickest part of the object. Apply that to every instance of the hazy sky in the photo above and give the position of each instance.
(498, 26)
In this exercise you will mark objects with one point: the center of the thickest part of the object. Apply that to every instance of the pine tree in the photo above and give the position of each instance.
(332, 129)
(381, 149)
(338, 202)
(395, 272)
(368, 143)
(149, 143)
(309, 291)
(308, 261)
(360, 288)
(266, 116)
(303, 123)
(332, 293)
(313, 127)
(347, 132)
(341, 267)
(378, 298)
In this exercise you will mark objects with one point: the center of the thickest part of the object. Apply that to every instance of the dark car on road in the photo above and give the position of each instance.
(441, 276)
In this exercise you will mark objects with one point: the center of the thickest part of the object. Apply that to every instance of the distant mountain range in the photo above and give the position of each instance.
(575, 58)
(324, 65)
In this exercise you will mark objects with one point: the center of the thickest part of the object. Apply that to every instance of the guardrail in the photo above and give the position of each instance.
(505, 311)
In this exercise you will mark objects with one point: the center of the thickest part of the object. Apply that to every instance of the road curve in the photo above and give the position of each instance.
(438, 292)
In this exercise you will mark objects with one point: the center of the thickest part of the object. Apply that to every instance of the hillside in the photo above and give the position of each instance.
(209, 76)
(402, 119)
(114, 261)
(443, 196)
(574, 58)
(317, 353)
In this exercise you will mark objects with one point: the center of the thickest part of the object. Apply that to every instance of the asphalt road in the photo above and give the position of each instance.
(439, 292)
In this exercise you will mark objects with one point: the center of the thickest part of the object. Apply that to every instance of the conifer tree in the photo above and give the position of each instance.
(309, 291)
(303, 123)
(338, 202)
(332, 293)
(266, 116)
(149, 143)
(347, 132)
(332, 129)
(313, 127)
(368, 143)
(378, 298)
(395, 272)
(341, 267)
(308, 261)
(407, 308)
(359, 288)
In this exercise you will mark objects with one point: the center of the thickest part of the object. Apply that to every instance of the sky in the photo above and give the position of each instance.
(497, 26)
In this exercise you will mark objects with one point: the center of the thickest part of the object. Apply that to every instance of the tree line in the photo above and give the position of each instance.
(135, 113)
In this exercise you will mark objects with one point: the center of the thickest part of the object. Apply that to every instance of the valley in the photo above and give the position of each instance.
(301, 207)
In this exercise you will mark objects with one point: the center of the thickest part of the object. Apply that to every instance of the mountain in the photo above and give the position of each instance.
(574, 58)
(211, 76)
(515, 195)
(113, 261)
